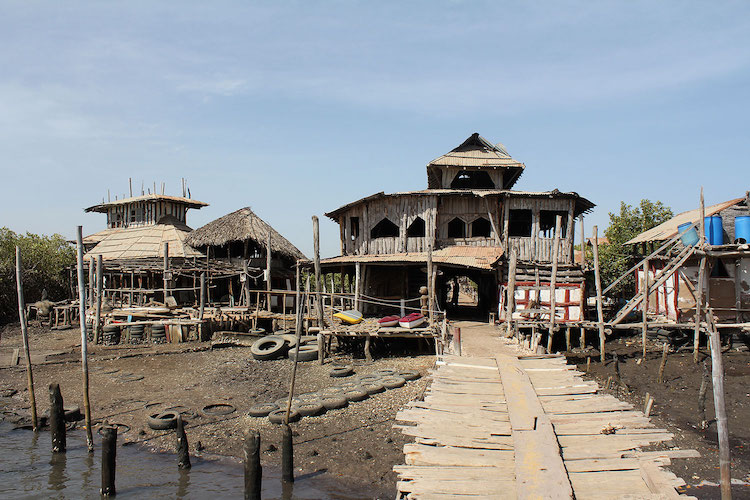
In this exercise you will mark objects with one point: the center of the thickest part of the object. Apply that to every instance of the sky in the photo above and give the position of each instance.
(295, 108)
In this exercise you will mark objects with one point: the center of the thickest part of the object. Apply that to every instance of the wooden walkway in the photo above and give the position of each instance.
(516, 426)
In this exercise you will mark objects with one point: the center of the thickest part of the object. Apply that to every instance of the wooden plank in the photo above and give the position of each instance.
(421, 454)
(656, 481)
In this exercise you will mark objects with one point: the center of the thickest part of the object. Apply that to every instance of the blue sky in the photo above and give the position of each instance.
(296, 108)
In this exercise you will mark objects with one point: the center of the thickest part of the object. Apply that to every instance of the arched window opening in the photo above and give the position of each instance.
(481, 227)
(416, 229)
(456, 228)
(472, 179)
(384, 229)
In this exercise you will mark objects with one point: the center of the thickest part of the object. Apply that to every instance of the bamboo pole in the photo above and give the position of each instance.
(99, 285)
(511, 293)
(717, 371)
(268, 272)
(702, 221)
(357, 286)
(203, 296)
(699, 308)
(583, 246)
(166, 268)
(318, 296)
(644, 328)
(298, 333)
(90, 297)
(553, 283)
(25, 335)
(430, 291)
(84, 342)
(598, 282)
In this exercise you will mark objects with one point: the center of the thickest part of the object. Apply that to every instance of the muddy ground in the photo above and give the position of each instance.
(356, 444)
(676, 405)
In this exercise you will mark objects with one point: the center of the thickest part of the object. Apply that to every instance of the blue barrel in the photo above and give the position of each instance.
(689, 237)
(708, 229)
(742, 229)
(717, 231)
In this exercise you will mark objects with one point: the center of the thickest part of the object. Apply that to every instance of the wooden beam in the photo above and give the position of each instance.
(598, 283)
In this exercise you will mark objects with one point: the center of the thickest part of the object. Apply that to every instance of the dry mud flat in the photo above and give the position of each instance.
(355, 444)
(676, 406)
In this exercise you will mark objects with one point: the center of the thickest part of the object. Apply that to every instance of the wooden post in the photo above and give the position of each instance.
(245, 289)
(57, 419)
(702, 396)
(166, 268)
(430, 291)
(268, 272)
(84, 342)
(287, 454)
(318, 296)
(583, 245)
(109, 457)
(699, 308)
(253, 470)
(203, 296)
(183, 454)
(298, 332)
(99, 286)
(357, 285)
(717, 371)
(25, 335)
(598, 282)
(553, 283)
(663, 365)
(702, 221)
(644, 328)
(90, 298)
(567, 339)
(511, 292)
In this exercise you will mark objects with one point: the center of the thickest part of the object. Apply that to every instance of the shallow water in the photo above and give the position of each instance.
(29, 470)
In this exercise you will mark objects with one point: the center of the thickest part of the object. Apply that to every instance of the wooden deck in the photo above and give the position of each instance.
(515, 426)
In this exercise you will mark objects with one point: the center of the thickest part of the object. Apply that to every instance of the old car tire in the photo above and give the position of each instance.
(268, 348)
(341, 371)
(356, 395)
(334, 402)
(393, 382)
(311, 408)
(373, 387)
(410, 375)
(306, 353)
(369, 378)
(262, 410)
(278, 416)
(386, 372)
(162, 421)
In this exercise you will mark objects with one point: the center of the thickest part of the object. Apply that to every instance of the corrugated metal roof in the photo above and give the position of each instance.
(459, 256)
(145, 242)
(102, 207)
(668, 230)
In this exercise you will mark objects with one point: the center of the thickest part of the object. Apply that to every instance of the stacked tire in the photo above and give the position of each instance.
(110, 334)
(158, 333)
(136, 334)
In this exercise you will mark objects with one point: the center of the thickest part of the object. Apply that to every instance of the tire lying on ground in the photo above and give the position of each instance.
(334, 402)
(369, 378)
(373, 387)
(283, 402)
(291, 339)
(269, 347)
(341, 371)
(162, 421)
(311, 408)
(393, 382)
(278, 416)
(356, 395)
(348, 386)
(334, 390)
(385, 372)
(410, 375)
(308, 396)
(262, 410)
(306, 353)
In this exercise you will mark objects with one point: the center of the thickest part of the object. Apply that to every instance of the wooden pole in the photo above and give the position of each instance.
(25, 335)
(553, 283)
(245, 285)
(298, 333)
(663, 365)
(318, 296)
(583, 246)
(357, 286)
(699, 308)
(644, 328)
(183, 454)
(166, 268)
(430, 291)
(268, 271)
(99, 286)
(203, 296)
(717, 371)
(84, 342)
(109, 458)
(90, 298)
(598, 282)
(57, 419)
(511, 293)
(702, 221)
(287, 454)
(253, 470)
(702, 396)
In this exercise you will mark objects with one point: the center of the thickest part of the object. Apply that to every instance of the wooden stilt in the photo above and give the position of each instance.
(598, 283)
(318, 296)
(268, 272)
(717, 370)
(553, 284)
(511, 293)
(99, 286)
(253, 469)
(84, 343)
(699, 308)
(57, 419)
(644, 328)
(109, 460)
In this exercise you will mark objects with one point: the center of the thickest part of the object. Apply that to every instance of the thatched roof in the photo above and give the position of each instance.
(146, 242)
(243, 225)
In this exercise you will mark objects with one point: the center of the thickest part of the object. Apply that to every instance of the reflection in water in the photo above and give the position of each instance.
(182, 483)
(88, 471)
(287, 489)
(57, 478)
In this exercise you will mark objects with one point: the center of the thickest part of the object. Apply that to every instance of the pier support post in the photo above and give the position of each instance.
(25, 335)
(56, 419)
(183, 454)
(287, 455)
(253, 470)
(109, 455)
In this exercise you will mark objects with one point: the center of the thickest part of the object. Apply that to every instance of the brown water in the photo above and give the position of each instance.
(29, 470)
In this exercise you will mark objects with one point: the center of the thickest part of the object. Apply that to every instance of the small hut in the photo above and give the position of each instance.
(241, 239)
